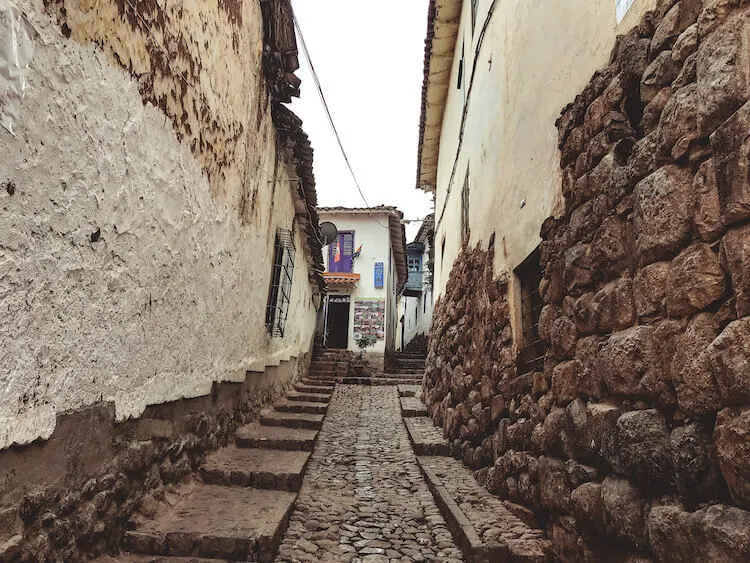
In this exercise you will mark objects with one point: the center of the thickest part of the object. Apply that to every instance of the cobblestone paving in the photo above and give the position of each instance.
(363, 498)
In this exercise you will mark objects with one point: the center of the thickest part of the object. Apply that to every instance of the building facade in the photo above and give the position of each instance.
(365, 273)
(415, 304)
(589, 165)
(158, 238)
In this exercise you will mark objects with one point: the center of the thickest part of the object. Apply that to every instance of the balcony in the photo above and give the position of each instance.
(340, 282)
(414, 284)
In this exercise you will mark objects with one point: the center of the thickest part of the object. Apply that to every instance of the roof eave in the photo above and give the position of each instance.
(442, 30)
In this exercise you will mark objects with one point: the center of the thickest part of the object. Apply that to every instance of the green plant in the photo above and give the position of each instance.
(366, 341)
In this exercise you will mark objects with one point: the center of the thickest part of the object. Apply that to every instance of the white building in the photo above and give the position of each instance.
(415, 304)
(365, 273)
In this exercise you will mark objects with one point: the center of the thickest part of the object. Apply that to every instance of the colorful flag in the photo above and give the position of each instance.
(337, 253)
(357, 252)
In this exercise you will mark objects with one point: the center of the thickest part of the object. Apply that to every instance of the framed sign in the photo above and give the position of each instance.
(379, 275)
(369, 318)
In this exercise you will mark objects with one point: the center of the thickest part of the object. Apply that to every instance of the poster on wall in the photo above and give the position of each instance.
(369, 318)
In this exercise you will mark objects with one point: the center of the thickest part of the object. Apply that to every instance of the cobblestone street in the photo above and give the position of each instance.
(363, 497)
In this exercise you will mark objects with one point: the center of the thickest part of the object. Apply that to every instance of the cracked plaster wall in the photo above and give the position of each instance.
(134, 261)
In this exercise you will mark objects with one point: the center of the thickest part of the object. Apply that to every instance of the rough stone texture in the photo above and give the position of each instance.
(645, 308)
(695, 281)
(716, 533)
(363, 495)
(707, 207)
(731, 145)
(736, 252)
(662, 213)
(732, 436)
(723, 72)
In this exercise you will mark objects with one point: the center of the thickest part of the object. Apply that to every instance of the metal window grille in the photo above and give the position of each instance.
(280, 292)
(532, 352)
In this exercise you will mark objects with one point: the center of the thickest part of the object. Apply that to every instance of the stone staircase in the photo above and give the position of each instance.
(404, 362)
(240, 506)
(333, 366)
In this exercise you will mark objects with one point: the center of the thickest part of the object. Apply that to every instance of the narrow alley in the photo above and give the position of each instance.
(400, 281)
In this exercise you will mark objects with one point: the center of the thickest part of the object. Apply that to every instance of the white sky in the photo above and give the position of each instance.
(369, 58)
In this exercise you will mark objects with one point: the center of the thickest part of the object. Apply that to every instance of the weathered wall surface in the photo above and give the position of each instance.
(118, 236)
(534, 58)
(140, 198)
(634, 439)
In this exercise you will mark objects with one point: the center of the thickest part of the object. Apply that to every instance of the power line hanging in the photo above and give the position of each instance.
(328, 114)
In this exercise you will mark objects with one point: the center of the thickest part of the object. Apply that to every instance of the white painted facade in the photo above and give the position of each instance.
(126, 274)
(415, 311)
(372, 230)
(533, 58)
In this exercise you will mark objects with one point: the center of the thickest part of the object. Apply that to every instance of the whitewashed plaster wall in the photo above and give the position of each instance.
(369, 231)
(536, 56)
(125, 274)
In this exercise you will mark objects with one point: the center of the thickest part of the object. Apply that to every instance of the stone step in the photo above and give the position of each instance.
(235, 523)
(308, 397)
(425, 437)
(334, 374)
(411, 406)
(275, 438)
(380, 381)
(270, 417)
(409, 390)
(285, 405)
(328, 381)
(280, 470)
(309, 388)
(134, 558)
(482, 525)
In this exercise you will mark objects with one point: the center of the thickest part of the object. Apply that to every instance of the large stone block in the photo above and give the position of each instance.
(663, 213)
(681, 16)
(629, 363)
(660, 73)
(695, 281)
(625, 511)
(614, 306)
(652, 112)
(735, 248)
(686, 44)
(732, 439)
(706, 205)
(650, 289)
(639, 448)
(578, 269)
(716, 533)
(697, 474)
(731, 145)
(697, 391)
(723, 71)
(729, 359)
(586, 503)
(563, 336)
(678, 122)
(554, 485)
(714, 13)
(609, 248)
(565, 382)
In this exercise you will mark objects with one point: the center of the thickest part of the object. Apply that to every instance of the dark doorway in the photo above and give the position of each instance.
(338, 322)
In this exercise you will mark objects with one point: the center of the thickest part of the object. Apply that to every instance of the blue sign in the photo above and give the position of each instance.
(379, 269)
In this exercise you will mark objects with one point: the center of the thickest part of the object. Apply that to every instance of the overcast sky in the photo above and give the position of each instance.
(369, 58)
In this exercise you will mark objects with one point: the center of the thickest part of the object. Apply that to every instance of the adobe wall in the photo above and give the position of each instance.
(147, 171)
(635, 439)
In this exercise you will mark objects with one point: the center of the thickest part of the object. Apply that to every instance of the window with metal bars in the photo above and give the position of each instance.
(279, 294)
(529, 275)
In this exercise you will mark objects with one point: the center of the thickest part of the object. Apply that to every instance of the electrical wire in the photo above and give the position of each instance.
(328, 115)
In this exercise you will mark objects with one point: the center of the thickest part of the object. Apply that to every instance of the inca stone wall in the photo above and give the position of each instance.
(635, 440)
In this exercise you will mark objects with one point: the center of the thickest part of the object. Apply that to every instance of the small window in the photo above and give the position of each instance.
(465, 208)
(424, 303)
(280, 291)
(533, 347)
(460, 81)
(622, 7)
(414, 263)
(474, 14)
(442, 249)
